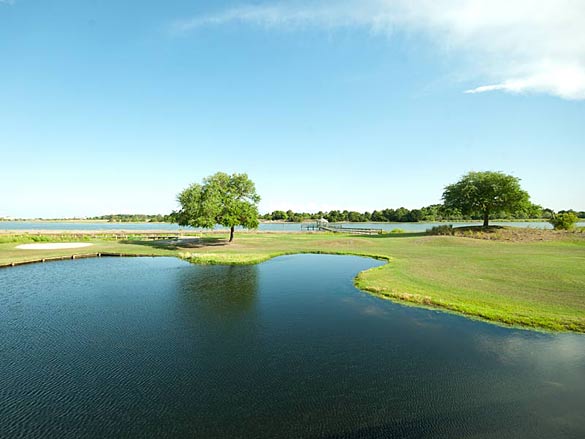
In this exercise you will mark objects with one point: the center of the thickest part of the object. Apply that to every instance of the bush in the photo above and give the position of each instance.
(564, 221)
(397, 231)
(444, 230)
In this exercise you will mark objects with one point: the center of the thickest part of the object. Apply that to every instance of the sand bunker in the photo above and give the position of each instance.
(53, 245)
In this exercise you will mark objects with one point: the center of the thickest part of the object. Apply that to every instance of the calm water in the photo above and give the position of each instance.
(285, 227)
(144, 347)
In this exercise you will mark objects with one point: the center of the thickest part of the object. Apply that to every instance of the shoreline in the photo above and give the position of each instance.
(76, 256)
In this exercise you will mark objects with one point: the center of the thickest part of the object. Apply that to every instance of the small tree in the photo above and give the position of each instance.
(564, 221)
(227, 200)
(485, 193)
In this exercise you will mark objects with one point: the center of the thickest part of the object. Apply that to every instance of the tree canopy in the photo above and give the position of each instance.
(486, 193)
(227, 200)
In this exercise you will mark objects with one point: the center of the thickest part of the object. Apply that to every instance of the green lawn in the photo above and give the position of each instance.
(538, 284)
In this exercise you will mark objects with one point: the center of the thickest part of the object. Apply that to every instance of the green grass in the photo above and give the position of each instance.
(537, 284)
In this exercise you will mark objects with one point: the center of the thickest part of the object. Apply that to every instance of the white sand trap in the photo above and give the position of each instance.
(53, 245)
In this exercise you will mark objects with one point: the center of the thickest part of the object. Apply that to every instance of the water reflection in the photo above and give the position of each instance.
(542, 350)
(218, 291)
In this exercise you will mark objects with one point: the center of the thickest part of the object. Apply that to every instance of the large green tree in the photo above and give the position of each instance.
(227, 200)
(486, 193)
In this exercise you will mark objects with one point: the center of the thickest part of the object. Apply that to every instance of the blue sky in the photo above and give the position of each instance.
(108, 107)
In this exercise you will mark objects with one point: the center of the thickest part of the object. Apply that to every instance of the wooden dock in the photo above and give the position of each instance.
(338, 228)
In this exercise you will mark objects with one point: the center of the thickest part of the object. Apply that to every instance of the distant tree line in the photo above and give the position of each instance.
(434, 212)
(134, 218)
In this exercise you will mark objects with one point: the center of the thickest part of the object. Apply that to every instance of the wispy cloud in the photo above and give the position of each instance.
(517, 46)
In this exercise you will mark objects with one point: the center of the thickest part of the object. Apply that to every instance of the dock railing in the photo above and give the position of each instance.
(339, 228)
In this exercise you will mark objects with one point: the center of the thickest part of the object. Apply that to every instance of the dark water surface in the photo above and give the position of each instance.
(147, 347)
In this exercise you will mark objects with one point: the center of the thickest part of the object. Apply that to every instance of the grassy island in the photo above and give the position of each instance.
(537, 282)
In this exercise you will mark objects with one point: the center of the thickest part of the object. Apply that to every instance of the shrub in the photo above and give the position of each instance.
(564, 221)
(443, 230)
(40, 238)
(396, 231)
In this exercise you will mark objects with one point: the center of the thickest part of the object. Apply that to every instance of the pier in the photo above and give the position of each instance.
(325, 226)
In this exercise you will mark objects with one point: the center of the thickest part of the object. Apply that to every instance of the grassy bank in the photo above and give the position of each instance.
(538, 284)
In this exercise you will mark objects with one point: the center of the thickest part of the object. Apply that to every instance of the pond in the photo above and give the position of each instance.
(158, 347)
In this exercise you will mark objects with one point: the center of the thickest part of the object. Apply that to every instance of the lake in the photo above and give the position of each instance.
(157, 347)
(275, 227)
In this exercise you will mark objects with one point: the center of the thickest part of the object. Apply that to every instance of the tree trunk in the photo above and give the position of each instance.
(232, 233)
(486, 218)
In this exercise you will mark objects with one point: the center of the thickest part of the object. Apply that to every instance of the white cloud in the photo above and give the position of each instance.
(518, 46)
(566, 82)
